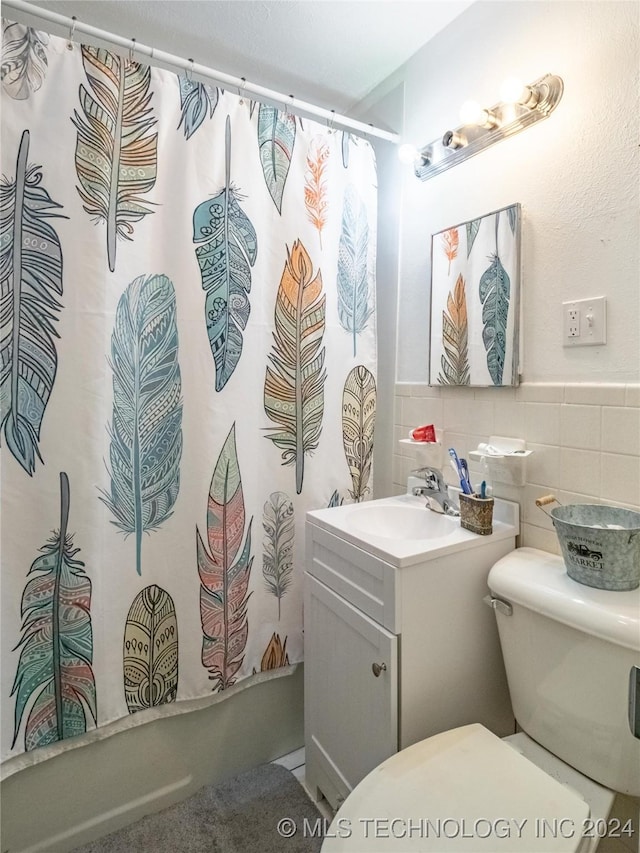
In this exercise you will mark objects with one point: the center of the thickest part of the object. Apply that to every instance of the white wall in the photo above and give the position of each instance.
(388, 113)
(575, 174)
(577, 177)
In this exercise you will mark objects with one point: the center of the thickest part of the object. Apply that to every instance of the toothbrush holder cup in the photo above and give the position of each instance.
(476, 514)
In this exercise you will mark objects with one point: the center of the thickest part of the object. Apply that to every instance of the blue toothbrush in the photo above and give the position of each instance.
(465, 472)
(464, 483)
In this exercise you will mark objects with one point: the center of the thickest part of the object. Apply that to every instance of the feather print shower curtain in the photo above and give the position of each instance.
(188, 366)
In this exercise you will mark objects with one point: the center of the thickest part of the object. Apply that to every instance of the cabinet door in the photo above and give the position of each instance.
(351, 714)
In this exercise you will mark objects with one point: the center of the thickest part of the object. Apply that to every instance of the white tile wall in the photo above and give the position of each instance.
(580, 426)
(586, 439)
(621, 430)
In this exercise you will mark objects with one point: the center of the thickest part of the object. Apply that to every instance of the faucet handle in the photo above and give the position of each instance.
(432, 476)
(426, 471)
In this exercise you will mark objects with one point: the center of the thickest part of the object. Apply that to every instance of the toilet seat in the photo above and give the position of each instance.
(462, 790)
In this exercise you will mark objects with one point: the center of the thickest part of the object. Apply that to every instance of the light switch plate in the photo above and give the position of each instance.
(584, 322)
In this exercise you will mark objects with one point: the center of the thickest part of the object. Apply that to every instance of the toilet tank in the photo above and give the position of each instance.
(571, 654)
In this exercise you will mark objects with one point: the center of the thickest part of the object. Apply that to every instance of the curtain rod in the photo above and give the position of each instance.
(188, 65)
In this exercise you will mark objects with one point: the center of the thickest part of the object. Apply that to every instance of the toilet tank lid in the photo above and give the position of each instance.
(538, 581)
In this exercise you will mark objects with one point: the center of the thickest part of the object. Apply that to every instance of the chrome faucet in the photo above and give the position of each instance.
(435, 491)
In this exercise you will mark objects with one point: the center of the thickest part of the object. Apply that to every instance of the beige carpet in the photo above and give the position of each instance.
(241, 815)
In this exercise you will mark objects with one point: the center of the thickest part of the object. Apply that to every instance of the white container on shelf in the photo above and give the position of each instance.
(506, 459)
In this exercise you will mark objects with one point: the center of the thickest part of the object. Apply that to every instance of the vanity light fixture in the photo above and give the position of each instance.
(481, 127)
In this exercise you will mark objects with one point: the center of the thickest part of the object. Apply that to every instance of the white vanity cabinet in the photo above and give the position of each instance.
(398, 644)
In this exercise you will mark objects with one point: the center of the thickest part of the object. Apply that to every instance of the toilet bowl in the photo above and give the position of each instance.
(572, 656)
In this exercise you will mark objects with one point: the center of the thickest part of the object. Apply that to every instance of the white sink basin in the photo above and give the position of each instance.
(402, 531)
(401, 521)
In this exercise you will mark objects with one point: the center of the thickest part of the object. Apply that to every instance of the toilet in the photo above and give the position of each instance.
(572, 657)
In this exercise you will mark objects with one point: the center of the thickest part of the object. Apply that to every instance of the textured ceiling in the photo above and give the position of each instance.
(329, 53)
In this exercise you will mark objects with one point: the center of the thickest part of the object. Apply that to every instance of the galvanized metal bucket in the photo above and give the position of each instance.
(600, 544)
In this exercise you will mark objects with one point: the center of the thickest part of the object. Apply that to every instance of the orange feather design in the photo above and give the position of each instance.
(275, 655)
(455, 338)
(450, 240)
(315, 191)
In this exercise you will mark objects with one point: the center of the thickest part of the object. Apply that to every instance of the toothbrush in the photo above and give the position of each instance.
(464, 484)
(465, 471)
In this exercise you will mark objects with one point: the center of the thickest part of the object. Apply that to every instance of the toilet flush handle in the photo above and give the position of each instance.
(634, 701)
(499, 604)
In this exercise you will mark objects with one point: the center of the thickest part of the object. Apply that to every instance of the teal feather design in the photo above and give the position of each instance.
(196, 101)
(56, 644)
(146, 426)
(335, 499)
(494, 295)
(472, 232)
(276, 138)
(354, 309)
(31, 281)
(226, 249)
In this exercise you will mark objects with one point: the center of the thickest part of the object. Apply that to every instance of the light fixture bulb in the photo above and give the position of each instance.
(408, 154)
(471, 112)
(512, 90)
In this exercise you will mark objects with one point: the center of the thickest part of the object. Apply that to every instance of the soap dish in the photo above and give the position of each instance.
(506, 458)
(426, 452)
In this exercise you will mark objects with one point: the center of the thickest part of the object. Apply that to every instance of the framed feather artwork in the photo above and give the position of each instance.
(475, 301)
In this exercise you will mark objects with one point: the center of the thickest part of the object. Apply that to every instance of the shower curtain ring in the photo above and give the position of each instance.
(241, 89)
(286, 105)
(188, 73)
(331, 121)
(131, 49)
(72, 30)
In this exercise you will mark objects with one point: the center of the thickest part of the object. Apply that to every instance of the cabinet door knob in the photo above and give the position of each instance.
(378, 668)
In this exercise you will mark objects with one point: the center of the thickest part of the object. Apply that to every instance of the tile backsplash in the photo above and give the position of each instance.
(585, 438)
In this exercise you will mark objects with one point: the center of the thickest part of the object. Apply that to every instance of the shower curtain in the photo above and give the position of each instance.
(188, 366)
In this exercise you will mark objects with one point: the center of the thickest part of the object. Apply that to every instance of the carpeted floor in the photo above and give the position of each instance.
(241, 815)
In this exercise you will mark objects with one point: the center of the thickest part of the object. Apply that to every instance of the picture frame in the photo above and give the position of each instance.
(475, 301)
